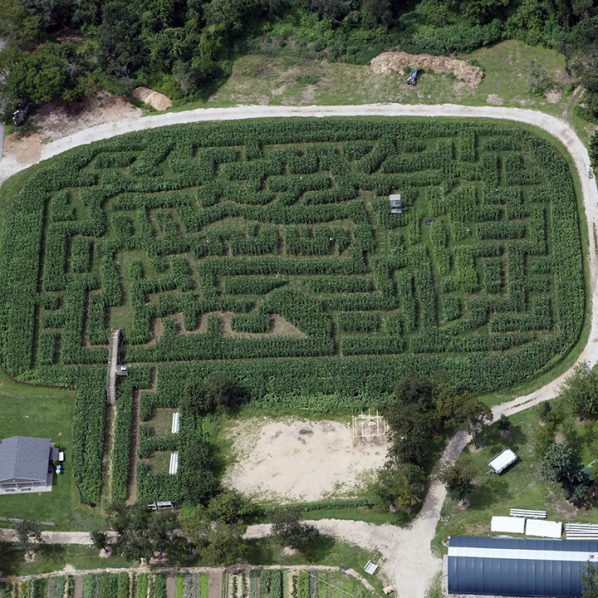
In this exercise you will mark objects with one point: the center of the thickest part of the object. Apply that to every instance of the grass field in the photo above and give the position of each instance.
(515, 75)
(522, 486)
(286, 76)
(47, 412)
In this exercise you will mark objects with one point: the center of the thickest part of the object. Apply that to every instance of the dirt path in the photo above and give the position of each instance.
(409, 562)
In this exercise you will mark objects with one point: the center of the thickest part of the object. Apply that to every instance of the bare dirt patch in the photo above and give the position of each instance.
(397, 62)
(298, 460)
(553, 96)
(494, 100)
(57, 119)
(155, 99)
(26, 149)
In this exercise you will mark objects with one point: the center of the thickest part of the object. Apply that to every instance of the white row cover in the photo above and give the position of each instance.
(176, 417)
(174, 463)
(544, 529)
(511, 525)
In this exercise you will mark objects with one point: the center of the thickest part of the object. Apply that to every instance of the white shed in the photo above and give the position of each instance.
(502, 461)
(511, 525)
(544, 529)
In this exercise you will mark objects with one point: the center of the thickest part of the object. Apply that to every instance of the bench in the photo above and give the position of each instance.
(527, 513)
(581, 531)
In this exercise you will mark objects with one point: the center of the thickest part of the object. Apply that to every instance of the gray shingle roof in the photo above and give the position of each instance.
(24, 458)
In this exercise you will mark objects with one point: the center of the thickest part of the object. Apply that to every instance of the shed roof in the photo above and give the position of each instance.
(518, 566)
(546, 529)
(24, 458)
(511, 525)
(503, 460)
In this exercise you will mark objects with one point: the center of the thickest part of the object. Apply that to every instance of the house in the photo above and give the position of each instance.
(26, 464)
(483, 566)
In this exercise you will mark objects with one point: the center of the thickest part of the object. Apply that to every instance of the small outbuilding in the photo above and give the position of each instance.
(395, 204)
(486, 566)
(26, 464)
(543, 529)
(509, 525)
(502, 461)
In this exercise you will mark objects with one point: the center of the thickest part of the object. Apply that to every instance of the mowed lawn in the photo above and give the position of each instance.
(522, 486)
(48, 413)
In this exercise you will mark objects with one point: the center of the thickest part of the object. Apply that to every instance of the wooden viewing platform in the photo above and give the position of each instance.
(112, 367)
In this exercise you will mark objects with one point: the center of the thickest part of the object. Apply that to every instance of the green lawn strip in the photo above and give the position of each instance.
(48, 412)
(179, 586)
(328, 552)
(202, 580)
(522, 486)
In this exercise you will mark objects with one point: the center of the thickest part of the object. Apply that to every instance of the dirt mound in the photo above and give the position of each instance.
(397, 62)
(155, 99)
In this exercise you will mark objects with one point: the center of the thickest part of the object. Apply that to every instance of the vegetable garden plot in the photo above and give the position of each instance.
(266, 251)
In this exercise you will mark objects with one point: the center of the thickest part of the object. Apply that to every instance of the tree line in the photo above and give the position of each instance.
(69, 48)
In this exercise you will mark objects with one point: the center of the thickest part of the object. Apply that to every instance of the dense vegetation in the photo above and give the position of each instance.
(266, 253)
(68, 48)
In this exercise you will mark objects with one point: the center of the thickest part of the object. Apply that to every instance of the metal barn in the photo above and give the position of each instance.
(518, 566)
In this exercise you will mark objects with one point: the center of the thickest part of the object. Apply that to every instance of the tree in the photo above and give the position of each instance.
(18, 27)
(224, 543)
(224, 394)
(142, 534)
(594, 149)
(562, 464)
(229, 506)
(218, 395)
(544, 439)
(29, 536)
(580, 391)
(197, 477)
(120, 39)
(377, 12)
(466, 411)
(400, 488)
(589, 582)
(288, 530)
(413, 420)
(458, 479)
(218, 542)
(100, 539)
(37, 77)
(504, 425)
(195, 523)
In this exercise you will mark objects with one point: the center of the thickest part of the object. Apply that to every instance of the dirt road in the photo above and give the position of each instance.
(409, 562)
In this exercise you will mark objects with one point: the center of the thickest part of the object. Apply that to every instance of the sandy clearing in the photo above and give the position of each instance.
(299, 460)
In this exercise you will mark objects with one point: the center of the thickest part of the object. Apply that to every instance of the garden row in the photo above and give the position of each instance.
(276, 583)
(108, 585)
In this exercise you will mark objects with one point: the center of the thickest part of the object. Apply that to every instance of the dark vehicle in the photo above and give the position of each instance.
(19, 116)
(412, 79)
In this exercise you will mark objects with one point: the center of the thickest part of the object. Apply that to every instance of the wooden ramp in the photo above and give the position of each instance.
(112, 365)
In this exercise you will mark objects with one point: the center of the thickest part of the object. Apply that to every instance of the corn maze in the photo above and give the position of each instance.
(265, 250)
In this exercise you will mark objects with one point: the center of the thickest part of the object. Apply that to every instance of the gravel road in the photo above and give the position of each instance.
(408, 561)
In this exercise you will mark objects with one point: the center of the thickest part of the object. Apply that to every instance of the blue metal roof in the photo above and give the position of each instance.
(518, 567)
